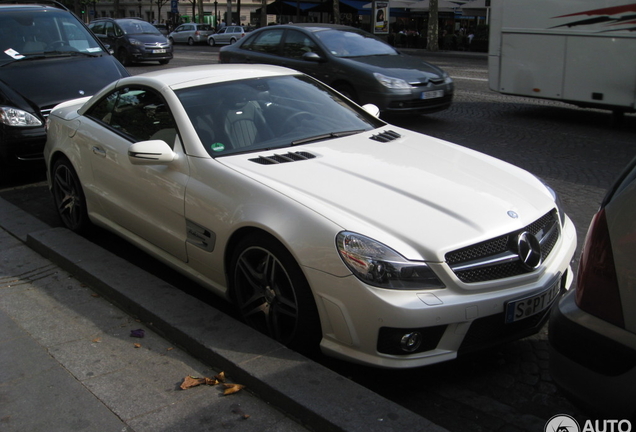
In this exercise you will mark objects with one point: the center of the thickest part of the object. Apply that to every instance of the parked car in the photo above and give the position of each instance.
(163, 29)
(227, 35)
(325, 225)
(191, 33)
(133, 40)
(48, 56)
(592, 330)
(357, 64)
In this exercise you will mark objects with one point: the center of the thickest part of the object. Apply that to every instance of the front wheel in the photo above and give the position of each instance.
(211, 42)
(68, 197)
(124, 57)
(272, 294)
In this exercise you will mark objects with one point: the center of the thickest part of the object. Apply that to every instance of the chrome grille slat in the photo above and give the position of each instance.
(497, 258)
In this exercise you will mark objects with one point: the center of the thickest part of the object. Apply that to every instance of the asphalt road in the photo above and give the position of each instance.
(579, 152)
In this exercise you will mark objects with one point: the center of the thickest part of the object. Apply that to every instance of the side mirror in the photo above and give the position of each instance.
(155, 152)
(313, 57)
(372, 109)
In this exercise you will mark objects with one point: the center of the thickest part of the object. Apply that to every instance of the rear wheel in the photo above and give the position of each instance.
(190, 41)
(211, 42)
(232, 41)
(68, 197)
(272, 294)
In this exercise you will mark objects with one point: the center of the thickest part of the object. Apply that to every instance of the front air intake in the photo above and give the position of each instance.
(283, 158)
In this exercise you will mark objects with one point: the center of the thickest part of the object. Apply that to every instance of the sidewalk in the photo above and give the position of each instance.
(68, 361)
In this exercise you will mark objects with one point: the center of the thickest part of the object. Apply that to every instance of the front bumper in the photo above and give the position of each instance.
(364, 324)
(148, 55)
(21, 147)
(414, 101)
(592, 361)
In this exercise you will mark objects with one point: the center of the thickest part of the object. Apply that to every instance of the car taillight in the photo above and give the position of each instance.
(196, 33)
(597, 290)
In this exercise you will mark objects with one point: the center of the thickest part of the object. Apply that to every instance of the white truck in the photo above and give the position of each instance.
(576, 51)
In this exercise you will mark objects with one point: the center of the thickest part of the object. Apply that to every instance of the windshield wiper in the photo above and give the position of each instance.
(326, 136)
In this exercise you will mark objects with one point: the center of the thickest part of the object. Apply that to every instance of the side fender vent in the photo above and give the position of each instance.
(386, 136)
(283, 158)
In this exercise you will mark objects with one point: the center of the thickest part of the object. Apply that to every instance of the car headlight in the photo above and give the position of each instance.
(447, 78)
(392, 83)
(135, 42)
(378, 265)
(16, 117)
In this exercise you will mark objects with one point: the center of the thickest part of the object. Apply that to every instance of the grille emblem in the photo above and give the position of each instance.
(529, 250)
(513, 214)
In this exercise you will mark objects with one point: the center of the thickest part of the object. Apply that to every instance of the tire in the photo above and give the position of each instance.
(272, 294)
(190, 41)
(124, 57)
(232, 41)
(171, 41)
(164, 62)
(211, 42)
(69, 198)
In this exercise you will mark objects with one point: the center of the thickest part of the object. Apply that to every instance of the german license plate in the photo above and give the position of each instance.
(432, 94)
(526, 307)
(159, 51)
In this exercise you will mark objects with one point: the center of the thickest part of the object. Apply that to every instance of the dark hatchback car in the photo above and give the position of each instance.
(47, 56)
(356, 63)
(133, 40)
(592, 330)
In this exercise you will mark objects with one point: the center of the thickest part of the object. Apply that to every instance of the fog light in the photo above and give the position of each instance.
(411, 341)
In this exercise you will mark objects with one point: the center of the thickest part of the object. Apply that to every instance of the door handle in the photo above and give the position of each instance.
(99, 152)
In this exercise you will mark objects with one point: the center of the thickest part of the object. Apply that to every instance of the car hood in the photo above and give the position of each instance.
(400, 66)
(417, 194)
(149, 38)
(49, 81)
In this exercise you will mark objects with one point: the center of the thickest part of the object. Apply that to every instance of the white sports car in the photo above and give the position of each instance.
(325, 225)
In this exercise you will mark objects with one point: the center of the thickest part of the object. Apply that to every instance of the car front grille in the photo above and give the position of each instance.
(421, 103)
(498, 258)
(45, 111)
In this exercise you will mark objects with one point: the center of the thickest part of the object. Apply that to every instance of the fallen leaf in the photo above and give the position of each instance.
(137, 345)
(211, 381)
(232, 388)
(95, 295)
(190, 381)
(220, 377)
(169, 349)
(97, 340)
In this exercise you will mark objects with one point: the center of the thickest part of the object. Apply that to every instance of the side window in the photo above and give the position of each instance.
(98, 28)
(297, 44)
(266, 41)
(139, 113)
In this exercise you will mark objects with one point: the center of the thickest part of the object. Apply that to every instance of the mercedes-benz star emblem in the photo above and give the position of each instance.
(529, 250)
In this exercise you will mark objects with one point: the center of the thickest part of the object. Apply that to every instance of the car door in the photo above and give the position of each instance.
(146, 200)
(263, 47)
(296, 45)
(178, 33)
(220, 36)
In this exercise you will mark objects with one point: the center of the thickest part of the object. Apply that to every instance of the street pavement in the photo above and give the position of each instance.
(68, 361)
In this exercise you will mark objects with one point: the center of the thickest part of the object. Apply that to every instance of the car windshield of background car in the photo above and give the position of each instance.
(268, 113)
(353, 44)
(138, 27)
(25, 34)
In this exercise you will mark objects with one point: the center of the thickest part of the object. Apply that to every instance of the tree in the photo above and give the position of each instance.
(263, 13)
(336, 11)
(433, 26)
(160, 4)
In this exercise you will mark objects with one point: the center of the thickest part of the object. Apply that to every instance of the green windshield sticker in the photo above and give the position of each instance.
(217, 147)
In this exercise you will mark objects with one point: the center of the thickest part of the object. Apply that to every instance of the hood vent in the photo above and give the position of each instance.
(282, 158)
(386, 136)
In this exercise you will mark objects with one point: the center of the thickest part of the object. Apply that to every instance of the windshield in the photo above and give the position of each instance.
(137, 27)
(352, 43)
(24, 34)
(268, 113)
